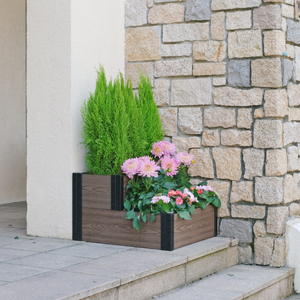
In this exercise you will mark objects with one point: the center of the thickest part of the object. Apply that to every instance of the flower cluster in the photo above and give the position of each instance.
(147, 167)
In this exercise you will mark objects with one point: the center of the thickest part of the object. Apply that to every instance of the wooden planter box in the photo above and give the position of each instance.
(95, 221)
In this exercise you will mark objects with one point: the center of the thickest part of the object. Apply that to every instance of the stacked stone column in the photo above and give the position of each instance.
(226, 77)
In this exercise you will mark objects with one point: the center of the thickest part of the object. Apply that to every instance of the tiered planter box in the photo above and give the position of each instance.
(98, 217)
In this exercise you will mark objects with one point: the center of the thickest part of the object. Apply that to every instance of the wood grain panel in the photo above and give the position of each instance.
(201, 227)
(110, 227)
(96, 191)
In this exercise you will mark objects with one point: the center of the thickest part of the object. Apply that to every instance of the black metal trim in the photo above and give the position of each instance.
(167, 231)
(216, 221)
(77, 206)
(117, 201)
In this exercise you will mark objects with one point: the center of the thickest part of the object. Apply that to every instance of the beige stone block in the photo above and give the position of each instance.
(175, 50)
(246, 43)
(259, 229)
(221, 188)
(291, 133)
(228, 163)
(187, 92)
(184, 144)
(218, 26)
(239, 20)
(267, 134)
(233, 4)
(258, 113)
(228, 96)
(268, 190)
(244, 118)
(245, 255)
(276, 162)
(292, 159)
(176, 67)
(135, 13)
(289, 188)
(266, 73)
(293, 92)
(267, 17)
(263, 249)
(277, 216)
(186, 32)
(288, 11)
(296, 177)
(233, 137)
(254, 163)
(133, 71)
(219, 117)
(294, 114)
(204, 164)
(248, 211)
(274, 42)
(142, 44)
(209, 69)
(278, 257)
(150, 3)
(290, 51)
(168, 118)
(296, 76)
(241, 191)
(161, 92)
(166, 14)
(294, 209)
(209, 51)
(283, 24)
(190, 120)
(276, 103)
(211, 138)
(219, 81)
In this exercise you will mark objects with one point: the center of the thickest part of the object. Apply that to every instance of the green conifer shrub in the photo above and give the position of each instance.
(117, 124)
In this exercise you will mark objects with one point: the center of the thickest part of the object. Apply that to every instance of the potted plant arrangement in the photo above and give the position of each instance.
(123, 136)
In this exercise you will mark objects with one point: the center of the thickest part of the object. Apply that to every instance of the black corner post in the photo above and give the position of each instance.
(77, 206)
(167, 231)
(117, 192)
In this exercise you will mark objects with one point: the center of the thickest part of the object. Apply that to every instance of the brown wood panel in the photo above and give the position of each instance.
(110, 227)
(96, 191)
(201, 227)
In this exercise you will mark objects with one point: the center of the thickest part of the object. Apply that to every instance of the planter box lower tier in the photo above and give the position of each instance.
(167, 232)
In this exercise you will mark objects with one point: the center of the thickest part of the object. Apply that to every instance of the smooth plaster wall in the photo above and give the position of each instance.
(12, 101)
(67, 40)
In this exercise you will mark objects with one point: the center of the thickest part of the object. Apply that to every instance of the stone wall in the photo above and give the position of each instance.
(225, 76)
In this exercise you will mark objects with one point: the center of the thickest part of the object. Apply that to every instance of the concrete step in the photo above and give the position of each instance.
(239, 282)
(294, 297)
(121, 273)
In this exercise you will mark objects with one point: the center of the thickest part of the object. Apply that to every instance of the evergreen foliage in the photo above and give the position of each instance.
(117, 124)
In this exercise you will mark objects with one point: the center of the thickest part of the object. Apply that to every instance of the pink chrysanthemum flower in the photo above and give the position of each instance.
(168, 148)
(170, 165)
(204, 188)
(179, 201)
(157, 149)
(165, 199)
(144, 159)
(148, 168)
(131, 167)
(184, 158)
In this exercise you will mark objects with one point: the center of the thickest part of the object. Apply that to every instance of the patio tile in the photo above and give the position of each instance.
(12, 273)
(129, 265)
(4, 241)
(48, 261)
(16, 224)
(3, 282)
(90, 250)
(57, 285)
(9, 254)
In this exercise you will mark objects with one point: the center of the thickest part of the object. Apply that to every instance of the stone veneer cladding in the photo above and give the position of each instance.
(226, 79)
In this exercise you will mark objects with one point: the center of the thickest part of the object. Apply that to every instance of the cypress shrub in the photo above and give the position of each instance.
(117, 124)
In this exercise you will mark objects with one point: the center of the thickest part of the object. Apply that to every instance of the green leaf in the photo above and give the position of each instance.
(140, 205)
(184, 215)
(202, 205)
(216, 202)
(16, 238)
(230, 274)
(130, 215)
(191, 209)
(210, 199)
(203, 183)
(165, 207)
(169, 185)
(127, 205)
(136, 223)
(152, 218)
(144, 218)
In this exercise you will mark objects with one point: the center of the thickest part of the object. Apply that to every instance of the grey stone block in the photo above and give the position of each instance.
(293, 31)
(197, 10)
(287, 71)
(242, 230)
(239, 73)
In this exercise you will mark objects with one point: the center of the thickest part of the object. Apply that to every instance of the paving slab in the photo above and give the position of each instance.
(57, 285)
(17, 224)
(293, 297)
(10, 254)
